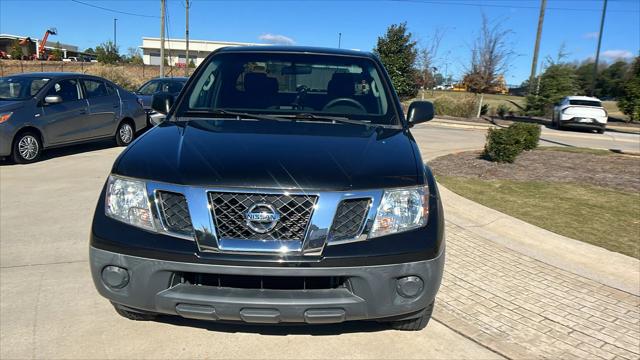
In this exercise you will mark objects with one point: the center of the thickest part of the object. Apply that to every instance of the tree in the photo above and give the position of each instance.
(56, 53)
(16, 50)
(398, 53)
(629, 102)
(134, 56)
(490, 55)
(426, 62)
(107, 53)
(557, 81)
(611, 80)
(89, 51)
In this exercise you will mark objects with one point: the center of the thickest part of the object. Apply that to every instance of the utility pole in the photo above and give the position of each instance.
(186, 36)
(595, 65)
(339, 39)
(162, 9)
(534, 64)
(115, 39)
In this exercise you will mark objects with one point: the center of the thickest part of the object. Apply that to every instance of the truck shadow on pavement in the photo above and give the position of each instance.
(277, 329)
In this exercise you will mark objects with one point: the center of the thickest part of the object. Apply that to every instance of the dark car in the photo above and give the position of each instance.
(45, 110)
(284, 186)
(172, 86)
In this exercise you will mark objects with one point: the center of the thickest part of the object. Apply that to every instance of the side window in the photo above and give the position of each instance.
(68, 90)
(95, 88)
(110, 89)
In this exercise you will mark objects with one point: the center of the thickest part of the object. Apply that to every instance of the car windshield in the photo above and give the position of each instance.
(149, 88)
(21, 87)
(585, 103)
(291, 85)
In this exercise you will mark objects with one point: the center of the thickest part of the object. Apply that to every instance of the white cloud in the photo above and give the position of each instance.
(590, 35)
(617, 54)
(276, 39)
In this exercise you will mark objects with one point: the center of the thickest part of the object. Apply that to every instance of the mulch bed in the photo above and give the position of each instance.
(617, 172)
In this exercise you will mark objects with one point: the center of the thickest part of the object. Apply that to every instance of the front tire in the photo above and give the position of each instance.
(124, 134)
(415, 324)
(27, 148)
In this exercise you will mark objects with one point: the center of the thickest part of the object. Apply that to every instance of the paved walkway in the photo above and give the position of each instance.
(523, 308)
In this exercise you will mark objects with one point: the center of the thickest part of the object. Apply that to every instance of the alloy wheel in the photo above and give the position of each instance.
(126, 133)
(28, 147)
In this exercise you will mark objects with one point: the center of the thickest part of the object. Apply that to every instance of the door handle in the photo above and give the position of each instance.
(83, 111)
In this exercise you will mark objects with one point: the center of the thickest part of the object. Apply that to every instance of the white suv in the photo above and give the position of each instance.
(580, 111)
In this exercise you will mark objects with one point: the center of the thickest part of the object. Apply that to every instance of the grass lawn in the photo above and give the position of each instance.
(596, 215)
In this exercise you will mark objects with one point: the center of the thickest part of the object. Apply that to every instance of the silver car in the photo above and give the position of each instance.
(45, 110)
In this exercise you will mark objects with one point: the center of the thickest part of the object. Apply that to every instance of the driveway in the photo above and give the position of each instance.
(50, 309)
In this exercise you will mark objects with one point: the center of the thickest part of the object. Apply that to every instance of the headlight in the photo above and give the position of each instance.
(127, 201)
(5, 116)
(401, 210)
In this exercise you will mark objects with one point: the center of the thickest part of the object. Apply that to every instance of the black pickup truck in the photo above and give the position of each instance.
(284, 186)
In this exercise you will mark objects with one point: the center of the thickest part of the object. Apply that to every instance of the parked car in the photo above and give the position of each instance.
(262, 201)
(45, 110)
(580, 111)
(155, 86)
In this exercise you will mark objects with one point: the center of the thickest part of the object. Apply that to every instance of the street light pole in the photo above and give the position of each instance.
(115, 39)
(339, 39)
(536, 49)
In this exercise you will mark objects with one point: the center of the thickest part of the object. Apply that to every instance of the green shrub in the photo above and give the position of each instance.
(484, 109)
(502, 146)
(503, 110)
(463, 106)
(529, 134)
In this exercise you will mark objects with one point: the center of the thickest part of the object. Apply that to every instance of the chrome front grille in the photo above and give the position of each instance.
(174, 212)
(349, 219)
(229, 210)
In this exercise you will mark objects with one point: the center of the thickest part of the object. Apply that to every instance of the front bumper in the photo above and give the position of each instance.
(372, 292)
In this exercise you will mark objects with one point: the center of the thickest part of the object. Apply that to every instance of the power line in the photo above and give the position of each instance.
(113, 10)
(506, 6)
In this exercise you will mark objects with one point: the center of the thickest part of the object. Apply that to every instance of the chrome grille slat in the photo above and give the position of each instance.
(349, 219)
(229, 208)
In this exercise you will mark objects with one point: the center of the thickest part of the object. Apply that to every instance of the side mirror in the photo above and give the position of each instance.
(53, 99)
(162, 102)
(419, 112)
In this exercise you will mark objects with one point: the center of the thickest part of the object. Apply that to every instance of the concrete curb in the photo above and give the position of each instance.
(476, 125)
(603, 266)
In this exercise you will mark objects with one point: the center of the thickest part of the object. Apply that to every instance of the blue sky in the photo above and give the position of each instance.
(317, 23)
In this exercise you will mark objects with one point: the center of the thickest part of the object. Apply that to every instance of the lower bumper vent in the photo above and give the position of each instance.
(261, 282)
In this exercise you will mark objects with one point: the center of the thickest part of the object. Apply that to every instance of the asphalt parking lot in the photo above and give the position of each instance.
(50, 309)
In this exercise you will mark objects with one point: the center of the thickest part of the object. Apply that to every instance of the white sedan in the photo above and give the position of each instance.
(580, 111)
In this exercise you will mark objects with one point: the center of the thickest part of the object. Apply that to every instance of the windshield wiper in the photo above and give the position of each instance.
(239, 115)
(339, 119)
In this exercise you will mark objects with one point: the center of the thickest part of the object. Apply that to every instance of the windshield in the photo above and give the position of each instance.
(21, 87)
(149, 88)
(283, 84)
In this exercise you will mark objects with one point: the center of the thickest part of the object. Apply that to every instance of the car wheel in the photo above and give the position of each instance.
(601, 131)
(124, 134)
(133, 315)
(416, 324)
(27, 148)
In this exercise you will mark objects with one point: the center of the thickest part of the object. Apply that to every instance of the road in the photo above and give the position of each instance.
(439, 139)
(49, 308)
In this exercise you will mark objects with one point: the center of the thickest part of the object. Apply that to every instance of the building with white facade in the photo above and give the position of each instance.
(175, 50)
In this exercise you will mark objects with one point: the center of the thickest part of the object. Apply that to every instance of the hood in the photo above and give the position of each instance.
(264, 154)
